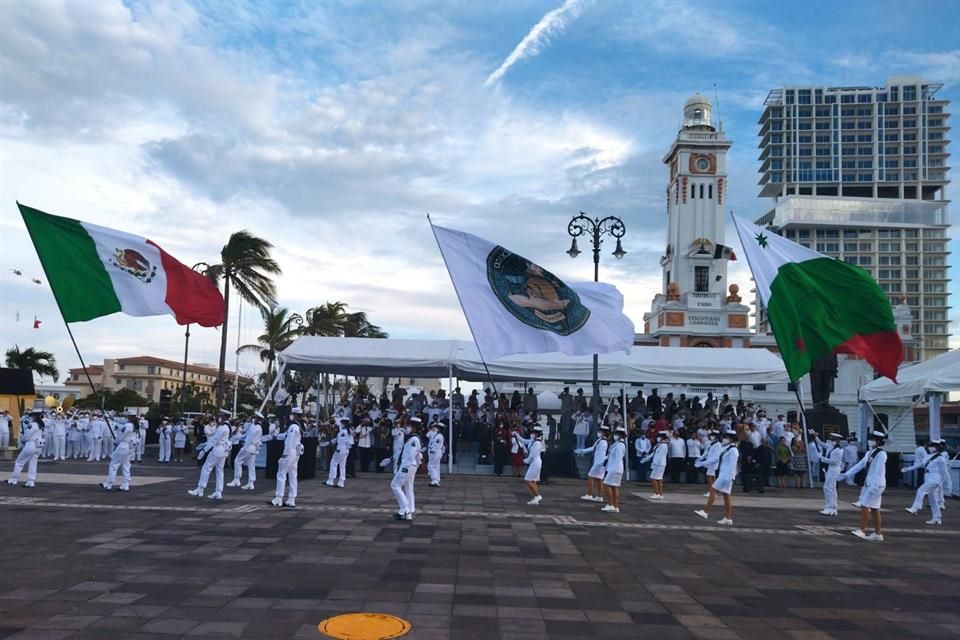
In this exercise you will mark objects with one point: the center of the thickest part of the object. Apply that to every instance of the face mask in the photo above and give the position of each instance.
(713, 438)
(932, 449)
(409, 430)
(871, 443)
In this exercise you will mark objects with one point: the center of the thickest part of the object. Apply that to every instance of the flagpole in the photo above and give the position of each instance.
(70, 333)
(462, 308)
(803, 425)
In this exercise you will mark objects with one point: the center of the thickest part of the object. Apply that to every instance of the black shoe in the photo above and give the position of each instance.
(397, 516)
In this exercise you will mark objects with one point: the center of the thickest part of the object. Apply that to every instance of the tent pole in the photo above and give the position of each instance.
(623, 409)
(450, 418)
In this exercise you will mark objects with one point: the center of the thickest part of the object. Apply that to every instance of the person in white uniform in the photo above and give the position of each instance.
(598, 467)
(97, 428)
(832, 456)
(727, 458)
(615, 465)
(247, 456)
(60, 423)
(216, 449)
(142, 442)
(289, 461)
(31, 444)
(179, 440)
(398, 433)
(534, 462)
(935, 470)
(402, 484)
(338, 464)
(658, 464)
(875, 464)
(710, 452)
(120, 459)
(435, 449)
(6, 420)
(164, 439)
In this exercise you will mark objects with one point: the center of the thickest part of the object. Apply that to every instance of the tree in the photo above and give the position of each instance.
(357, 325)
(279, 331)
(246, 266)
(42, 363)
(326, 320)
(113, 400)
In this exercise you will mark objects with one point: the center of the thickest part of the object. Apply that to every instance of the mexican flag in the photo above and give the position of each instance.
(95, 271)
(818, 305)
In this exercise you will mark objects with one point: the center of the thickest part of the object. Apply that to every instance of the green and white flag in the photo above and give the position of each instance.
(515, 306)
(817, 305)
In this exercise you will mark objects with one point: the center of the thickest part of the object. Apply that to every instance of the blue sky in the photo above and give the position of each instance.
(333, 128)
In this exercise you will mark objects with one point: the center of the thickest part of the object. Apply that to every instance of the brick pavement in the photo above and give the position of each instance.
(78, 562)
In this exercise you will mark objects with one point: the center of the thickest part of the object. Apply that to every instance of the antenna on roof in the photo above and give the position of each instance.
(716, 103)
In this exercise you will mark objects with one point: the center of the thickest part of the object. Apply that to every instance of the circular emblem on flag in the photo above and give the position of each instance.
(133, 262)
(533, 295)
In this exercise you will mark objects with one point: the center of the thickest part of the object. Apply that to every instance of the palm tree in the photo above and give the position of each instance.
(279, 331)
(357, 325)
(43, 363)
(246, 266)
(326, 320)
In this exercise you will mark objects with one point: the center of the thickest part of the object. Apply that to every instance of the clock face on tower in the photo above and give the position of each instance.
(703, 163)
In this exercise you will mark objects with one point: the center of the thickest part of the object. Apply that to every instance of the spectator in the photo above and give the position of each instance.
(783, 462)
(798, 462)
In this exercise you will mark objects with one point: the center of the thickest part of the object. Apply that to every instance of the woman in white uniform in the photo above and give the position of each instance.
(936, 470)
(727, 457)
(875, 463)
(614, 470)
(711, 452)
(535, 462)
(659, 457)
(598, 466)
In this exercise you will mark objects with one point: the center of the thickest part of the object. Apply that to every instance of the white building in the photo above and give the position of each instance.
(859, 173)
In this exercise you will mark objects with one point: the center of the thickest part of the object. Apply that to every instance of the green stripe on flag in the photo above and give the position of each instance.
(817, 305)
(76, 274)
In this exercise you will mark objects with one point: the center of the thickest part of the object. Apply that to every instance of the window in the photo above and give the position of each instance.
(891, 137)
(848, 164)
(710, 191)
(804, 113)
(803, 233)
(864, 98)
(866, 260)
(821, 126)
(909, 137)
(913, 274)
(909, 110)
(701, 279)
(910, 163)
(849, 233)
(912, 261)
(701, 192)
(865, 164)
(151, 370)
(865, 137)
(804, 139)
(848, 137)
(693, 191)
(909, 151)
(889, 274)
(891, 150)
(121, 367)
(828, 247)
(909, 124)
(828, 233)
(891, 111)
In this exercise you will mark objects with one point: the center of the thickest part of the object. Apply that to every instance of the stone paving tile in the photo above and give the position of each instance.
(181, 568)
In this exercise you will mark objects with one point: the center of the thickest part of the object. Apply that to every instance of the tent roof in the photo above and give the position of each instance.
(435, 358)
(941, 373)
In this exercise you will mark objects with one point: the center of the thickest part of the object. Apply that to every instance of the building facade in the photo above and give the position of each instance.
(859, 174)
(149, 376)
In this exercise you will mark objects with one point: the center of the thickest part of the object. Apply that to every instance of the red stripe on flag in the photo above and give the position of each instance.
(883, 350)
(192, 296)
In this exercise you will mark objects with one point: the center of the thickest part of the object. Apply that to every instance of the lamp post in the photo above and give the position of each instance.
(594, 229)
(186, 345)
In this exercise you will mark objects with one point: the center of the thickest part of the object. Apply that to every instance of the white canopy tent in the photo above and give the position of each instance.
(928, 378)
(440, 358)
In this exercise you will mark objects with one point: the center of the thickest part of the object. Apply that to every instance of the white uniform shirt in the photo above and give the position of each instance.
(344, 440)
(876, 459)
(615, 458)
(252, 437)
(291, 441)
(599, 450)
(363, 436)
(658, 455)
(642, 446)
(677, 448)
(693, 448)
(411, 455)
(435, 444)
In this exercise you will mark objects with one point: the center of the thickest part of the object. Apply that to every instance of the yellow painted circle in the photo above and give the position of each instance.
(364, 626)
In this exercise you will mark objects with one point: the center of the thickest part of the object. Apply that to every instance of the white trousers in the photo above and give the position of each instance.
(60, 447)
(120, 462)
(95, 449)
(164, 455)
(106, 447)
(338, 467)
(287, 476)
(830, 491)
(934, 490)
(27, 458)
(214, 461)
(246, 458)
(402, 487)
(4, 437)
(433, 468)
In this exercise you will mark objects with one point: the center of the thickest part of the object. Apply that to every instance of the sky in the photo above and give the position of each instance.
(332, 129)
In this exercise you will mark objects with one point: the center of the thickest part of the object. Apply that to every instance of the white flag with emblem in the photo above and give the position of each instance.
(515, 306)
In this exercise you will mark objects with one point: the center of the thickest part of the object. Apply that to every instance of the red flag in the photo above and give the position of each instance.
(36, 323)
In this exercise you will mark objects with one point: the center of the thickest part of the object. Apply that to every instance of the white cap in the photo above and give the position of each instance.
(225, 412)
(836, 435)
(297, 411)
(258, 414)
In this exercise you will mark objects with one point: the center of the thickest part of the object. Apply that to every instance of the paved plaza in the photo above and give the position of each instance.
(477, 563)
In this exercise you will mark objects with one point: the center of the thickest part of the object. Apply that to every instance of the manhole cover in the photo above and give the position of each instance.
(364, 626)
